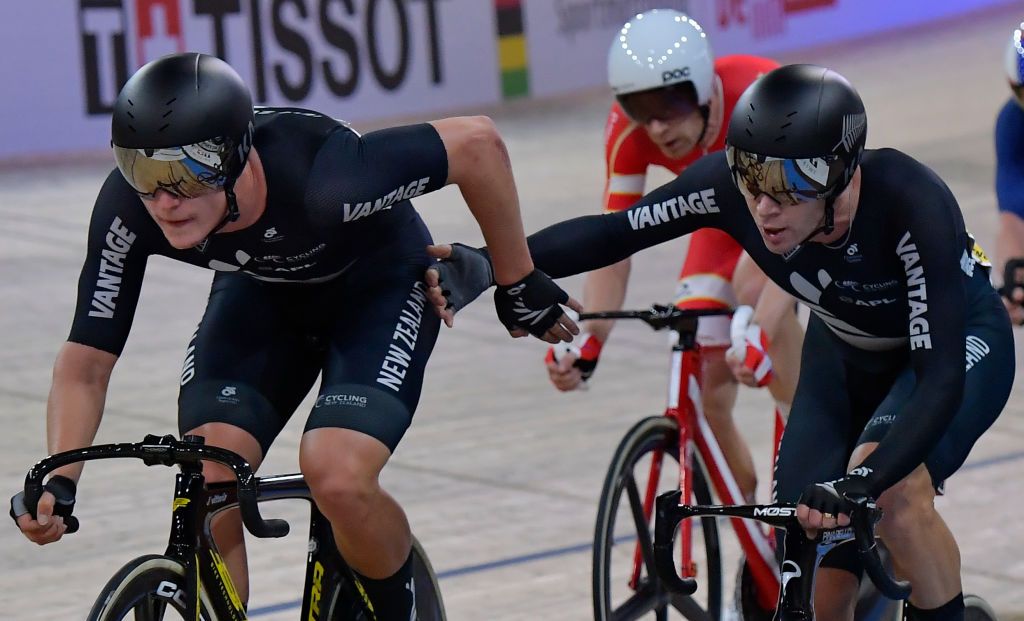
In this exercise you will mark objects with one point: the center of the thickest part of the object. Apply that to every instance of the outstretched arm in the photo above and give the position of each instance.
(683, 205)
(693, 200)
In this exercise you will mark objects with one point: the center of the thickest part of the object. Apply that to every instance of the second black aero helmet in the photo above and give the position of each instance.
(797, 133)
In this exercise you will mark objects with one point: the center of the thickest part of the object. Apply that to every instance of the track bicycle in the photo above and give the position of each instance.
(625, 585)
(189, 580)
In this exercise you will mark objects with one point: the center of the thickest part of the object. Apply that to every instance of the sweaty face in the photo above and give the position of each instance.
(186, 222)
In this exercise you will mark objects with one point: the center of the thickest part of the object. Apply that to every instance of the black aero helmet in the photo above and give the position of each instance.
(183, 123)
(797, 134)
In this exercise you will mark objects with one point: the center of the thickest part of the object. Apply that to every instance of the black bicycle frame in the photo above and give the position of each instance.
(326, 571)
(196, 504)
(191, 544)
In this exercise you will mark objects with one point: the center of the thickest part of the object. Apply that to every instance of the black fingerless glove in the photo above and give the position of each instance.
(63, 490)
(531, 304)
(840, 496)
(464, 275)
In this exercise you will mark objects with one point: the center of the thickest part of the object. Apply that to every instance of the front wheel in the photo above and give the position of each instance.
(622, 530)
(149, 588)
(977, 609)
(429, 606)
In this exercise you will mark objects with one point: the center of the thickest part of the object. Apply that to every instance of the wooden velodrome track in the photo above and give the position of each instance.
(499, 473)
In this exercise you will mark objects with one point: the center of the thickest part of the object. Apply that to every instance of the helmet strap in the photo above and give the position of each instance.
(712, 107)
(231, 214)
(705, 113)
(830, 216)
(827, 226)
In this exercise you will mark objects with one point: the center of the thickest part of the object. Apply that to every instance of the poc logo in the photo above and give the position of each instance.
(775, 511)
(675, 74)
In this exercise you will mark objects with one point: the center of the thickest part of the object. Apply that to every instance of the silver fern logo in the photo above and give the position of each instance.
(853, 128)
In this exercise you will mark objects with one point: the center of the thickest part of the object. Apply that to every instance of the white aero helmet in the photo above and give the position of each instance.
(660, 48)
(1013, 60)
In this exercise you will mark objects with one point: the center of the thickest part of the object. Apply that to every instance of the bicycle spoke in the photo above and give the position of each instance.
(642, 528)
(640, 603)
(150, 609)
(625, 535)
(689, 608)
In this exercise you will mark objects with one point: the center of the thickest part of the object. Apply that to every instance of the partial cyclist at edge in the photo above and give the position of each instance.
(1009, 135)
(908, 356)
(318, 257)
(669, 112)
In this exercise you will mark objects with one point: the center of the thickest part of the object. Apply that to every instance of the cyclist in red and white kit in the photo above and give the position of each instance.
(673, 101)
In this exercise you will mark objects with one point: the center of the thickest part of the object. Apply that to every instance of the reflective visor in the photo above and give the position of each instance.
(664, 104)
(187, 171)
(786, 181)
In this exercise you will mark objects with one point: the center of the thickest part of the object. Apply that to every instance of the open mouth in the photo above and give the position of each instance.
(672, 145)
(773, 233)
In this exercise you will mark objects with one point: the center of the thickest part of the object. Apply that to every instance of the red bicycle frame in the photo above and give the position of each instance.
(695, 433)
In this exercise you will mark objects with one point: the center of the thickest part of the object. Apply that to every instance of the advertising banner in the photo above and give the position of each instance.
(352, 59)
(64, 61)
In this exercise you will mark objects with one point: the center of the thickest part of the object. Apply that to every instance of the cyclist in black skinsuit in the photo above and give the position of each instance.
(908, 357)
(319, 257)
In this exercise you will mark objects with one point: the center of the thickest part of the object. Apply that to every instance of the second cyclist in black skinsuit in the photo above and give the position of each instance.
(909, 355)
